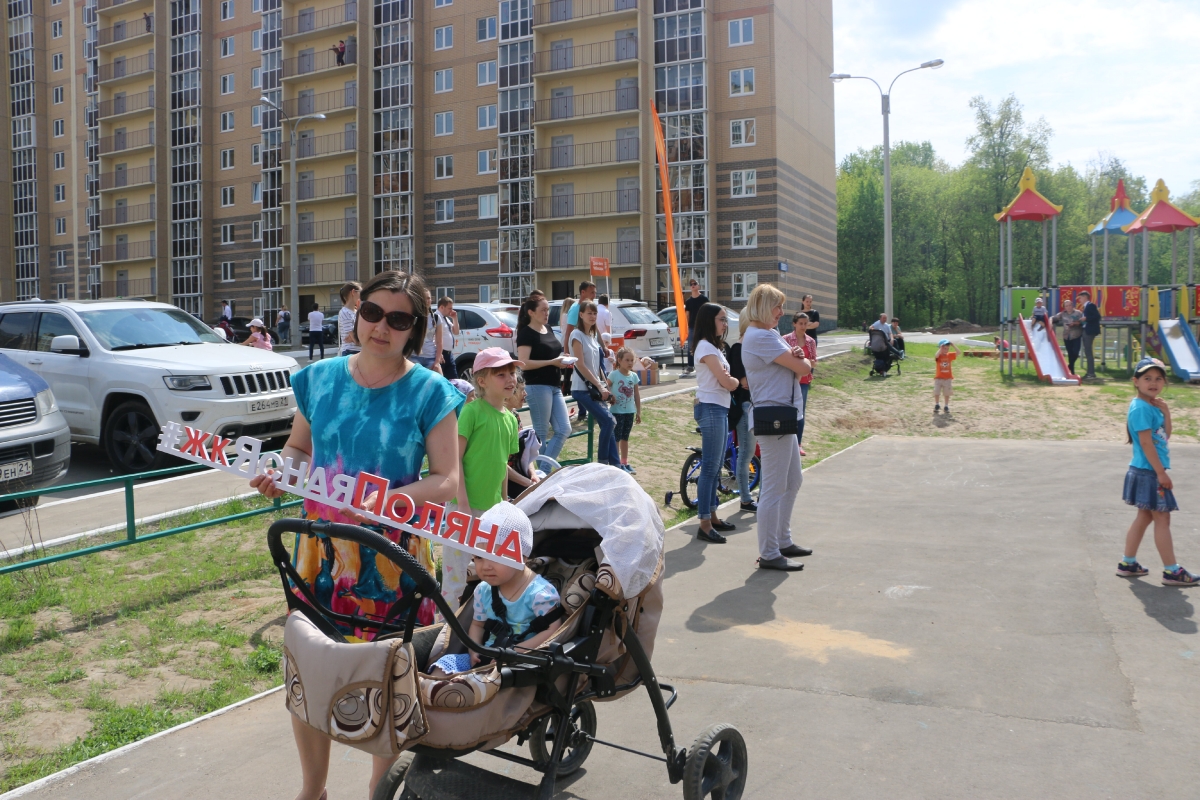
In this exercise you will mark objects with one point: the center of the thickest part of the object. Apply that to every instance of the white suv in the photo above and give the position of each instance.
(483, 325)
(634, 326)
(121, 369)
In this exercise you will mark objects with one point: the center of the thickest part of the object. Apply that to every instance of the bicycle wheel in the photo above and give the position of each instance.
(689, 476)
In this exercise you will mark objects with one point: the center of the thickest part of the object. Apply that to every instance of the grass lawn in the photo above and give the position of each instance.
(103, 650)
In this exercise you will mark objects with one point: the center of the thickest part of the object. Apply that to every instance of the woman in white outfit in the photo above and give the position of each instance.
(773, 370)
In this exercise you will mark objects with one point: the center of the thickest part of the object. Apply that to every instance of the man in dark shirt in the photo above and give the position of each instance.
(814, 317)
(1091, 329)
(692, 306)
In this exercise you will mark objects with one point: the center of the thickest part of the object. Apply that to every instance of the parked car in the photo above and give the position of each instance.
(482, 325)
(241, 329)
(635, 323)
(668, 316)
(330, 326)
(35, 441)
(121, 369)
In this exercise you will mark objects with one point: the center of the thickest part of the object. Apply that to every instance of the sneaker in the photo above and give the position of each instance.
(936, 408)
(629, 469)
(946, 410)
(1134, 570)
(750, 506)
(1180, 577)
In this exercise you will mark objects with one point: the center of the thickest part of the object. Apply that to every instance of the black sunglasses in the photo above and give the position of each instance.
(396, 320)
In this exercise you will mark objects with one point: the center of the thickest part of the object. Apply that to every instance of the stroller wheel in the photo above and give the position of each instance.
(390, 786)
(716, 765)
(579, 746)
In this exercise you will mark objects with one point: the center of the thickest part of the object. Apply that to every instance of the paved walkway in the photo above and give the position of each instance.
(959, 633)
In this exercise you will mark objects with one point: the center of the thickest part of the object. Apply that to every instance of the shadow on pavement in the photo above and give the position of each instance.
(752, 603)
(686, 558)
(1166, 604)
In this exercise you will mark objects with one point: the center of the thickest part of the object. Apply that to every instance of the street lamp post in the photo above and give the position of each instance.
(886, 106)
(293, 224)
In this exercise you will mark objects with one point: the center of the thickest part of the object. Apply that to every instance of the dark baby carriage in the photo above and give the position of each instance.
(882, 352)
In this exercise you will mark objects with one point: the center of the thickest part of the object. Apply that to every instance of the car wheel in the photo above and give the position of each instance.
(465, 366)
(131, 438)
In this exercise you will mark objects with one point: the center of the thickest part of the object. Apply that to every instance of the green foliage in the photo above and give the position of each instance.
(265, 659)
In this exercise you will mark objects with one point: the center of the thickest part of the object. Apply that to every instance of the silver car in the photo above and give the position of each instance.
(35, 440)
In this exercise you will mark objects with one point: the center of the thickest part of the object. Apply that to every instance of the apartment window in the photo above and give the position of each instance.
(255, 116)
(443, 80)
(741, 132)
(256, 269)
(741, 81)
(56, 29)
(57, 62)
(227, 158)
(55, 2)
(440, 3)
(741, 31)
(60, 226)
(255, 154)
(226, 234)
(256, 78)
(486, 73)
(60, 192)
(255, 197)
(58, 94)
(487, 161)
(60, 127)
(487, 251)
(62, 290)
(486, 116)
(444, 254)
(443, 166)
(444, 291)
(489, 206)
(60, 258)
(743, 284)
(745, 235)
(257, 307)
(256, 229)
(226, 195)
(743, 183)
(60, 160)
(443, 123)
(255, 6)
(443, 210)
(443, 38)
(226, 9)
(256, 39)
(227, 84)
(226, 271)
(226, 46)
(226, 120)
(485, 29)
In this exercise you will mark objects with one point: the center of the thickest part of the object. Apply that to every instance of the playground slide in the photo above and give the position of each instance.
(1180, 346)
(1047, 358)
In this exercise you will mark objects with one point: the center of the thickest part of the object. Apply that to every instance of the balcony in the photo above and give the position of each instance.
(126, 215)
(336, 272)
(138, 287)
(124, 178)
(127, 251)
(317, 62)
(324, 103)
(329, 230)
(571, 256)
(332, 144)
(558, 109)
(327, 20)
(103, 6)
(126, 104)
(122, 68)
(322, 188)
(591, 154)
(127, 141)
(562, 13)
(584, 56)
(592, 204)
(125, 31)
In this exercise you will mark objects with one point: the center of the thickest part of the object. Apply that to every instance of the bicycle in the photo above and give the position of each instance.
(727, 484)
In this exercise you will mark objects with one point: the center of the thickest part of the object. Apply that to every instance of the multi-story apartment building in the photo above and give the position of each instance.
(492, 145)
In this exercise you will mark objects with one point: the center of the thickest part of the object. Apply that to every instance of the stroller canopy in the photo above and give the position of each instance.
(610, 502)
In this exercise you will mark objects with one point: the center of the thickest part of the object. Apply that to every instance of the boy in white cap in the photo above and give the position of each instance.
(943, 374)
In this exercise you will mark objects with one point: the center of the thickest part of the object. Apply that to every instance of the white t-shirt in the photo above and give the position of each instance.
(708, 388)
(604, 321)
(226, 311)
(315, 321)
(345, 326)
(429, 346)
(448, 334)
(591, 359)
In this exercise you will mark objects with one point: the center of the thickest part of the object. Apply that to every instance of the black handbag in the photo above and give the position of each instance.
(592, 389)
(777, 420)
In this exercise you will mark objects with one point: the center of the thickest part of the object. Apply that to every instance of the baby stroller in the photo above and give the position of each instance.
(602, 549)
(884, 354)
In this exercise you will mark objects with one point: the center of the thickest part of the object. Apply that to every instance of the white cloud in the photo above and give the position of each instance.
(1108, 76)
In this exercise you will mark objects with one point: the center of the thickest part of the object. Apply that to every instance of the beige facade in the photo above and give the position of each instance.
(493, 146)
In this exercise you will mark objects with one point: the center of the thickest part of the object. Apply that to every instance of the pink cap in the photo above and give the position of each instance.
(492, 357)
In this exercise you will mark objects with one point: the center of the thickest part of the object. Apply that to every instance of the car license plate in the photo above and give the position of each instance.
(270, 404)
(656, 342)
(17, 469)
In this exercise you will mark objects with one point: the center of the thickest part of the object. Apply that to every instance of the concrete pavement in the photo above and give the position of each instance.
(959, 633)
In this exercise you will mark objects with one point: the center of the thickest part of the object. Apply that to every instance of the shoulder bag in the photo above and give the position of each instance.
(777, 420)
(592, 389)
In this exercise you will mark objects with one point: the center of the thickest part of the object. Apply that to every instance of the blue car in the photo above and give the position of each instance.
(35, 440)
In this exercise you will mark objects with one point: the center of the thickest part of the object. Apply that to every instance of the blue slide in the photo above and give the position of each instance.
(1180, 348)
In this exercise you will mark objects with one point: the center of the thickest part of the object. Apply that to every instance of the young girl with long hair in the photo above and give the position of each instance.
(585, 346)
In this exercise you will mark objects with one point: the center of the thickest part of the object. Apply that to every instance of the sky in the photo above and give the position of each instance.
(1114, 78)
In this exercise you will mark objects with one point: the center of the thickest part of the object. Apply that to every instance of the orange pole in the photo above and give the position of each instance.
(660, 144)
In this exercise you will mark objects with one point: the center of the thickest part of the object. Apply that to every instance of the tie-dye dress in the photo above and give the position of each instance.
(381, 431)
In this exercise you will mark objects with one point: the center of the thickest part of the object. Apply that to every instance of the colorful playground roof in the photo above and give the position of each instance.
(1029, 204)
(1161, 216)
(1119, 216)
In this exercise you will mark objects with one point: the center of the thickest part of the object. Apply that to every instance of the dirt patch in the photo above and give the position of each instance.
(49, 729)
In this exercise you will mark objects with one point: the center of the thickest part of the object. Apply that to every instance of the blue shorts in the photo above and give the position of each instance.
(623, 427)
(1142, 490)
